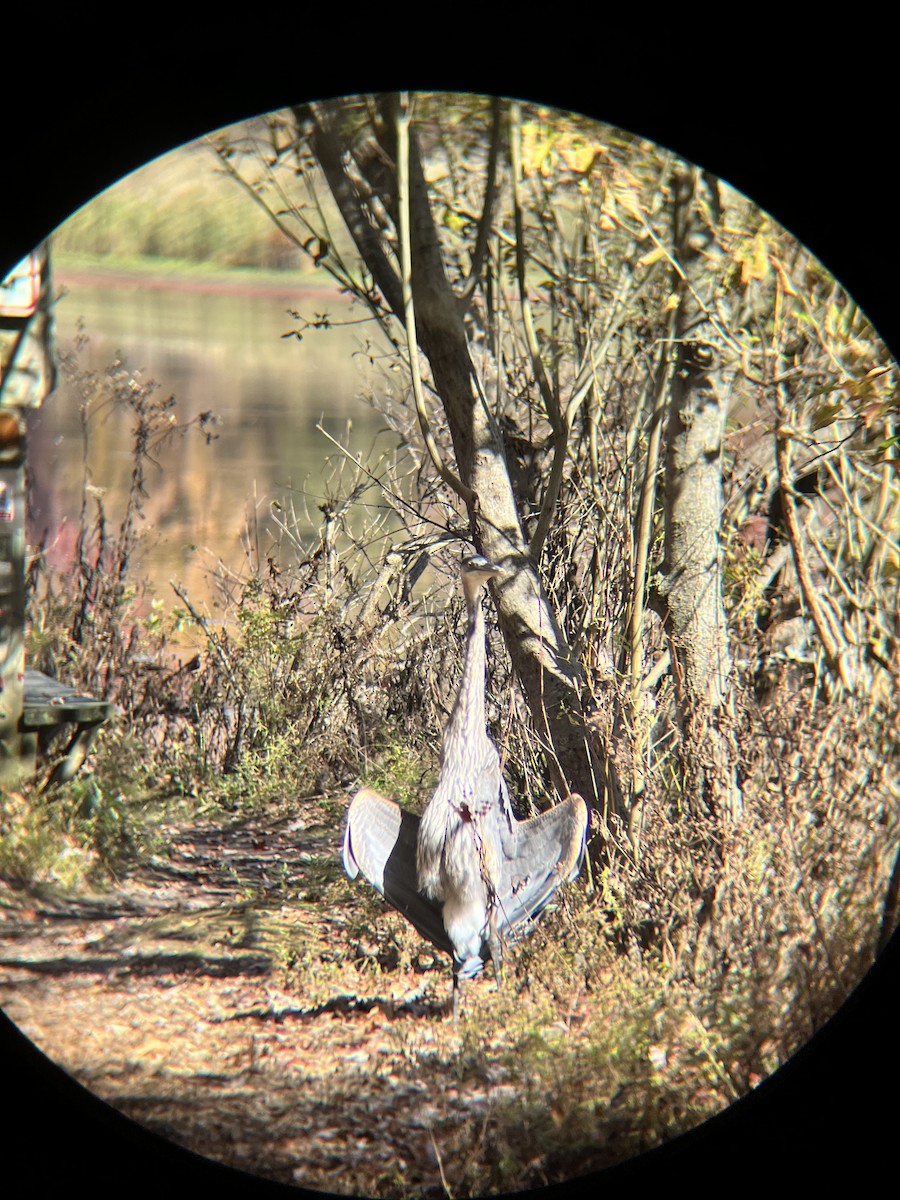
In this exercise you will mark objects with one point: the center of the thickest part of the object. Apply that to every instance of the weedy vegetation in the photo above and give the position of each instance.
(694, 955)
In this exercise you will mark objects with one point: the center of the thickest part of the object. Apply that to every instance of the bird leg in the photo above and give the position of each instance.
(496, 948)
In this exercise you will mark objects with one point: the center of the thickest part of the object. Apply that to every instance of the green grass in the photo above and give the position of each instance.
(178, 208)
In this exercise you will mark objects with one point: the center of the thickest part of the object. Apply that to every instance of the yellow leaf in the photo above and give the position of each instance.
(452, 220)
(627, 198)
(787, 286)
(537, 148)
(754, 259)
(579, 156)
(651, 257)
(825, 414)
(435, 171)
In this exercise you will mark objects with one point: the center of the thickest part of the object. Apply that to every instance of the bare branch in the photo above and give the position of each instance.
(646, 507)
(327, 150)
(833, 650)
(466, 494)
(551, 403)
(490, 191)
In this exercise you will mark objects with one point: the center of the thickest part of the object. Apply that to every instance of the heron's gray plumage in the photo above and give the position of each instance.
(468, 876)
(380, 843)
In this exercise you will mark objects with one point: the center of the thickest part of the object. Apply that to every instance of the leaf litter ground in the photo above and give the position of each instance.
(242, 999)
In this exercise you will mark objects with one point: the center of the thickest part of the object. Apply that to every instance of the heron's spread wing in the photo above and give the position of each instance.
(543, 854)
(539, 856)
(380, 844)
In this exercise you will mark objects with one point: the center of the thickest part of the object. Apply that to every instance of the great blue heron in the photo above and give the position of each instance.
(468, 875)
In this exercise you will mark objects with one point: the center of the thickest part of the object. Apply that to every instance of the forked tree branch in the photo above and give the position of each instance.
(409, 315)
(327, 150)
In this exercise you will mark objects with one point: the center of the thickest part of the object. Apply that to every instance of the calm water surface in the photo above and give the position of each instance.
(219, 349)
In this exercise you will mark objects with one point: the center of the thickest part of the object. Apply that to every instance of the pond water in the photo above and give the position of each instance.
(218, 347)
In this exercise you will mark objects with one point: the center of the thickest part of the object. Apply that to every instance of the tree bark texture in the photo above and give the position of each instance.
(692, 571)
(540, 655)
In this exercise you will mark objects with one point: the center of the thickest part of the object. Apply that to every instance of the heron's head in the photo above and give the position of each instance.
(476, 571)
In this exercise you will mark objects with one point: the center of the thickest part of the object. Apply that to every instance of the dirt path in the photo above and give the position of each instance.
(167, 998)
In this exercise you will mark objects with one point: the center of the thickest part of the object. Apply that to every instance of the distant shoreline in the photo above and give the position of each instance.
(218, 284)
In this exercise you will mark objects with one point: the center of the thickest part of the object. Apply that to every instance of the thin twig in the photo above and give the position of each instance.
(394, 498)
(490, 191)
(440, 1162)
(646, 509)
(833, 649)
(551, 402)
(211, 637)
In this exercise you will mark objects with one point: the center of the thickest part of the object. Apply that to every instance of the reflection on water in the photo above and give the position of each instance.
(219, 350)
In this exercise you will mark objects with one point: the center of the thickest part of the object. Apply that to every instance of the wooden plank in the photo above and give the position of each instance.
(49, 702)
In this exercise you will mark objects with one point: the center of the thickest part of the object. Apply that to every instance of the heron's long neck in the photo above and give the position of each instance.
(467, 718)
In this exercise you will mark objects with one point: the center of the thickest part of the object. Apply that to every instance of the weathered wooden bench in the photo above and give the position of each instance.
(48, 707)
(35, 710)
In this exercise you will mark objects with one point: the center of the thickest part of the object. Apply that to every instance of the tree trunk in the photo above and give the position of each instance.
(541, 659)
(692, 571)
